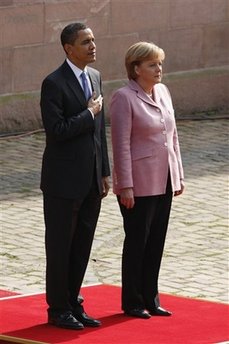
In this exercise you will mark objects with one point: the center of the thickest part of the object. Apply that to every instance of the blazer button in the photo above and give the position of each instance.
(166, 144)
(162, 120)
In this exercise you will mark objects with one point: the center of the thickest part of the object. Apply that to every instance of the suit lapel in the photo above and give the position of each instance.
(73, 83)
(143, 96)
(95, 87)
(94, 82)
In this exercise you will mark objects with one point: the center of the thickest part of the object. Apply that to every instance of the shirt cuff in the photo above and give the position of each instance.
(93, 116)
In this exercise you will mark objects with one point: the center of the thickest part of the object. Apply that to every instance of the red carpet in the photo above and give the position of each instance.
(193, 321)
(5, 293)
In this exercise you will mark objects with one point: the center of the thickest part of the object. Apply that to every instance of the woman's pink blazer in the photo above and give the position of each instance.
(144, 140)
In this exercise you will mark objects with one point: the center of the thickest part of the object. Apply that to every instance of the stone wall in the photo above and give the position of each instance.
(193, 33)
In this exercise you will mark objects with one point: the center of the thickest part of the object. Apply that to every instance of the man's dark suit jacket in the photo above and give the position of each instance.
(75, 142)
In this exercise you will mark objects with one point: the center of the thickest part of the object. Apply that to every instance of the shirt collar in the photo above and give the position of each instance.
(76, 70)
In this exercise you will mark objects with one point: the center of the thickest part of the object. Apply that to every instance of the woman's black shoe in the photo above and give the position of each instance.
(138, 313)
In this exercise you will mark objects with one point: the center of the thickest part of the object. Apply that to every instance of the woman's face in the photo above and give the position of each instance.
(149, 71)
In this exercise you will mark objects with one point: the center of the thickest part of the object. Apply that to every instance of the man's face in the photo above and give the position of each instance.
(83, 51)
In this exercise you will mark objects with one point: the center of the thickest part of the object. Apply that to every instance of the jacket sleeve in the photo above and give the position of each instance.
(176, 144)
(178, 153)
(121, 125)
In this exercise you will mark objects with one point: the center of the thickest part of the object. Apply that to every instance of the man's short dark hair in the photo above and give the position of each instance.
(70, 33)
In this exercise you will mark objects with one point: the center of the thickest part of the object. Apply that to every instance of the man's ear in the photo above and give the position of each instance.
(68, 48)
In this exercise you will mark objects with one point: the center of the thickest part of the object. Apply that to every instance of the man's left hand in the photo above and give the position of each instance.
(106, 186)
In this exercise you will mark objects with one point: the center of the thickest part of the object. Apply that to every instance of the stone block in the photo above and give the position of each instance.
(25, 2)
(138, 16)
(98, 24)
(6, 2)
(33, 63)
(189, 13)
(80, 10)
(197, 12)
(216, 45)
(193, 91)
(183, 49)
(220, 11)
(111, 55)
(6, 74)
(20, 112)
(151, 36)
(21, 25)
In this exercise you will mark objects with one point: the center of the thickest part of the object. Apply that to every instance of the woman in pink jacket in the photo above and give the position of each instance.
(147, 173)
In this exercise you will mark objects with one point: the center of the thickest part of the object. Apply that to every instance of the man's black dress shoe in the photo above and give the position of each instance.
(159, 311)
(65, 320)
(83, 318)
(138, 313)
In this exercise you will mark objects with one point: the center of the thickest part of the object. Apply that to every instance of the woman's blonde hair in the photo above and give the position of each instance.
(139, 52)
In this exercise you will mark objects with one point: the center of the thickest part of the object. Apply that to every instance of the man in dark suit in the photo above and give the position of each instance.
(74, 176)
